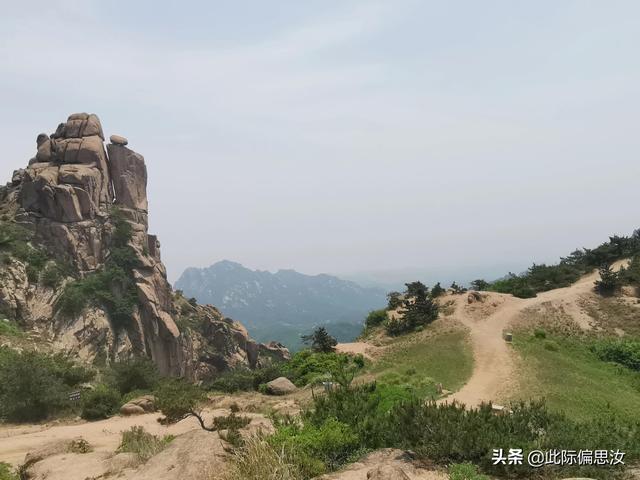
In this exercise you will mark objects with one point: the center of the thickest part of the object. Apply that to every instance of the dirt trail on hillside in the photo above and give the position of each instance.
(359, 348)
(494, 371)
(104, 435)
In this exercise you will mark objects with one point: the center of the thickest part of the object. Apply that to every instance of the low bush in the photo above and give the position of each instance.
(231, 422)
(465, 471)
(35, 385)
(609, 282)
(142, 443)
(320, 341)
(622, 351)
(100, 403)
(317, 449)
(8, 473)
(375, 318)
(177, 399)
(243, 379)
(449, 433)
(308, 367)
(134, 374)
(258, 459)
(418, 309)
(9, 328)
(539, 333)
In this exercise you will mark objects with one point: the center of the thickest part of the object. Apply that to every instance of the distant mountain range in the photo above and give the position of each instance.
(283, 305)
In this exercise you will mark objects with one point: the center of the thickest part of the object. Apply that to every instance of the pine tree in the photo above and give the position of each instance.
(320, 340)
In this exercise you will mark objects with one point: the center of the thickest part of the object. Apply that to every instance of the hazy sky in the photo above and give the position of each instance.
(338, 136)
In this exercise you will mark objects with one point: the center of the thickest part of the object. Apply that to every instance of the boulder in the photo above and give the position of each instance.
(129, 177)
(118, 140)
(387, 472)
(280, 386)
(192, 456)
(50, 449)
(146, 402)
(131, 409)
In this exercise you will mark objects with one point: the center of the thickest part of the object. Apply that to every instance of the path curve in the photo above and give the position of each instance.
(494, 360)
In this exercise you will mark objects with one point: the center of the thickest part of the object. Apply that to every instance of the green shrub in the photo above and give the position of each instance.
(7, 473)
(480, 285)
(465, 471)
(257, 459)
(307, 367)
(320, 341)
(622, 351)
(100, 403)
(142, 443)
(177, 399)
(113, 287)
(551, 346)
(135, 374)
(79, 445)
(233, 381)
(419, 309)
(54, 272)
(450, 433)
(437, 291)
(394, 300)
(243, 379)
(35, 385)
(10, 329)
(231, 422)
(317, 448)
(539, 333)
(609, 282)
(375, 318)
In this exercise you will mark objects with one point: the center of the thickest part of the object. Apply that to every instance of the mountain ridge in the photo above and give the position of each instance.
(268, 302)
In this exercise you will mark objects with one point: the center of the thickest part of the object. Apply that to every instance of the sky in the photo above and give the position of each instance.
(373, 138)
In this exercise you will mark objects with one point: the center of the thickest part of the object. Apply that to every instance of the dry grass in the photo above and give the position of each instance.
(548, 316)
(142, 443)
(257, 460)
(615, 313)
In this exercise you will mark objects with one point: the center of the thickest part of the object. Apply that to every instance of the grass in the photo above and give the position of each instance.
(10, 329)
(259, 460)
(142, 443)
(7, 473)
(423, 359)
(574, 380)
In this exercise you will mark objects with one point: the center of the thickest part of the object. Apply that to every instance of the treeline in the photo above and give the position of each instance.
(540, 278)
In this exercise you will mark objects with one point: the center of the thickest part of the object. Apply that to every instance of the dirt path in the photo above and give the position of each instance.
(362, 348)
(104, 435)
(494, 360)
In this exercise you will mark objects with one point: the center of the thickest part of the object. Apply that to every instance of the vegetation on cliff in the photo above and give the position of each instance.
(113, 286)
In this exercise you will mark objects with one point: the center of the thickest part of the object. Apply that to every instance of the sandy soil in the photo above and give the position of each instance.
(363, 348)
(104, 435)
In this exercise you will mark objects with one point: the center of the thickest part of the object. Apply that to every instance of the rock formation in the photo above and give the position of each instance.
(71, 197)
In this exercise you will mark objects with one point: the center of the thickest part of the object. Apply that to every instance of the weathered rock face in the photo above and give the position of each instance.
(68, 196)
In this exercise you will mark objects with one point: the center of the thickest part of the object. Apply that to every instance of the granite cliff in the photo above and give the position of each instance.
(81, 271)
